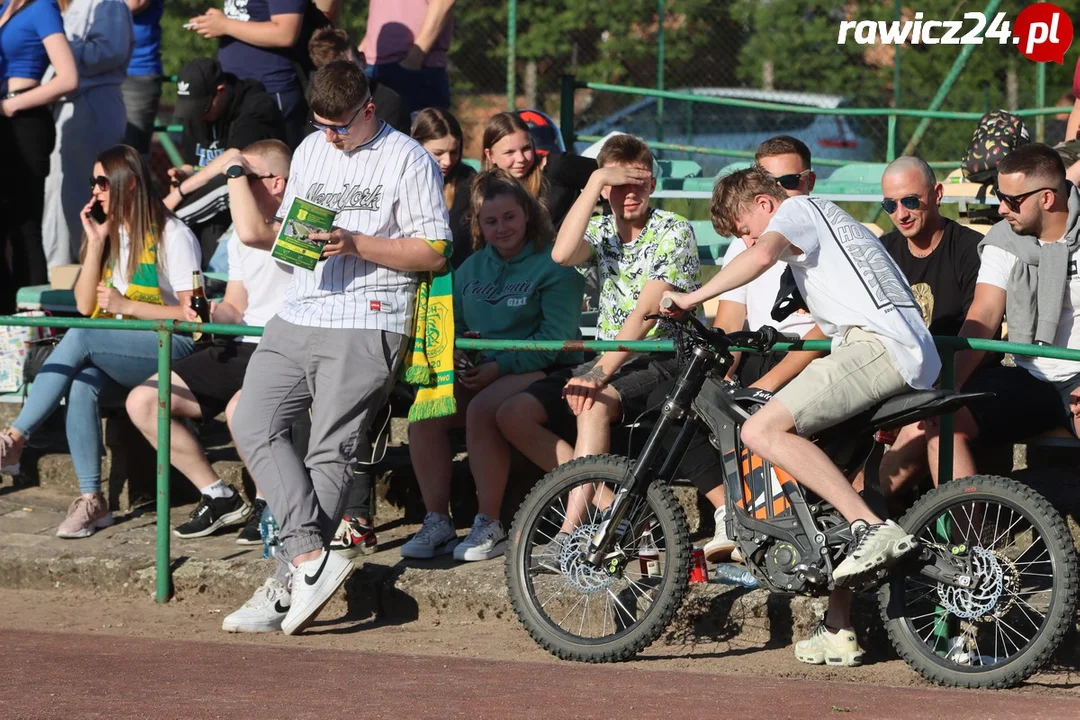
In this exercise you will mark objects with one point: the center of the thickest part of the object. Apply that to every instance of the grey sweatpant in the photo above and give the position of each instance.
(344, 376)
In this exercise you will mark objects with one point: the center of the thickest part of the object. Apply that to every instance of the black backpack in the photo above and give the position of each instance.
(998, 134)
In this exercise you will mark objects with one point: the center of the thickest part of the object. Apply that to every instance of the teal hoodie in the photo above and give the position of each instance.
(528, 297)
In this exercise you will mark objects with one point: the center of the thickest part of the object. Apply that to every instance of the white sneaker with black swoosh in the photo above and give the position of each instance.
(264, 612)
(313, 584)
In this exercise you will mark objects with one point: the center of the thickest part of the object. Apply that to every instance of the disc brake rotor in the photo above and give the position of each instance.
(578, 573)
(985, 591)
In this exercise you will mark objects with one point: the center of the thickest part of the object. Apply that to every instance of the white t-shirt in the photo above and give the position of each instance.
(182, 257)
(997, 265)
(264, 279)
(848, 280)
(760, 296)
(389, 187)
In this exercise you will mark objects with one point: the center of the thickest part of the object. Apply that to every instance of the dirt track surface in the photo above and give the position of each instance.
(83, 656)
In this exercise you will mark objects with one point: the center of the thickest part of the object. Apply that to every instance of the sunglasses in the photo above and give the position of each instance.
(342, 130)
(100, 182)
(256, 176)
(911, 202)
(791, 182)
(1015, 201)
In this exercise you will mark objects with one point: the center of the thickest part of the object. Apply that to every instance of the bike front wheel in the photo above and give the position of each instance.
(580, 612)
(1018, 552)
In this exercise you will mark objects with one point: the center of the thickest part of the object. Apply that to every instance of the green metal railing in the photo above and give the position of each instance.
(570, 84)
(165, 329)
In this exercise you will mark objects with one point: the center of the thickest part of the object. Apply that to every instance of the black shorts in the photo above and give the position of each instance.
(1023, 406)
(634, 382)
(215, 374)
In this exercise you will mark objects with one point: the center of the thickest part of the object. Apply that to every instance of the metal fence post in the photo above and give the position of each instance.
(660, 69)
(945, 441)
(566, 111)
(1040, 101)
(511, 55)
(164, 566)
(890, 150)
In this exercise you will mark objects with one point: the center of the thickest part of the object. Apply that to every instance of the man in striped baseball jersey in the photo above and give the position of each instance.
(336, 344)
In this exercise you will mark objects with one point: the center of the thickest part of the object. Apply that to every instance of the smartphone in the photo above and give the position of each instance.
(97, 213)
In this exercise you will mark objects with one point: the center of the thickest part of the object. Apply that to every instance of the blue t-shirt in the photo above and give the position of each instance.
(146, 58)
(22, 54)
(270, 66)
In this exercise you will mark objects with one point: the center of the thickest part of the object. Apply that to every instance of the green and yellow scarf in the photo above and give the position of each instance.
(143, 285)
(430, 364)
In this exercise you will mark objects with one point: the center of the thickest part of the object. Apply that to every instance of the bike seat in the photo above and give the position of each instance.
(905, 409)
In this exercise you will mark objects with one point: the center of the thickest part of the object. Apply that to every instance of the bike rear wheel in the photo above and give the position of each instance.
(1002, 629)
(579, 612)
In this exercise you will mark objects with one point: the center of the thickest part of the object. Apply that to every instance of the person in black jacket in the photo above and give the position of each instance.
(218, 111)
(440, 134)
(524, 143)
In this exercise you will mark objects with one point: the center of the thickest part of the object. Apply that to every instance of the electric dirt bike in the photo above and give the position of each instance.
(599, 553)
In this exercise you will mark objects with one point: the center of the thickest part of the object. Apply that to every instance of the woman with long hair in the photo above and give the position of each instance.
(31, 39)
(508, 288)
(556, 177)
(137, 262)
(440, 134)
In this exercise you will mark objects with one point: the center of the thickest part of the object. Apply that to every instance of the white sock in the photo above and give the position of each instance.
(218, 490)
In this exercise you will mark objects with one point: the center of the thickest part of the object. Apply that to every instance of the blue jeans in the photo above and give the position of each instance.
(89, 367)
(419, 89)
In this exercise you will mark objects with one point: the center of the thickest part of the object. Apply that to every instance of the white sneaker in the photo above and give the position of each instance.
(824, 647)
(436, 537)
(486, 540)
(878, 546)
(313, 584)
(719, 549)
(264, 612)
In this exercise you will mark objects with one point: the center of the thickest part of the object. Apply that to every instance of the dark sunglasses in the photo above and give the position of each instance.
(911, 202)
(100, 182)
(791, 182)
(1015, 201)
(256, 176)
(342, 130)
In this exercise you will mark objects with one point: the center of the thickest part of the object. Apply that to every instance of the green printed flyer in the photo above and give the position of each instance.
(292, 245)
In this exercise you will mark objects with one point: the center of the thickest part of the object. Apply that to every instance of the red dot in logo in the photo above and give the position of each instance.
(1043, 32)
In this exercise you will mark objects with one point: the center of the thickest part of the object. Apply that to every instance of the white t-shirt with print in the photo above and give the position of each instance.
(997, 265)
(265, 281)
(181, 257)
(664, 250)
(848, 280)
(389, 187)
(760, 295)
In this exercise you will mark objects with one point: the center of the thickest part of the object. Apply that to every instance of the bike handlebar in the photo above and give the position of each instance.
(761, 339)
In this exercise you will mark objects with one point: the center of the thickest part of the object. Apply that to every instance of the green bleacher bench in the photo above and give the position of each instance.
(678, 169)
(711, 247)
(734, 167)
(858, 180)
(62, 302)
(471, 162)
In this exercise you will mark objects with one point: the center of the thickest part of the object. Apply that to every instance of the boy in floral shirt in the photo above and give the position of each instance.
(640, 253)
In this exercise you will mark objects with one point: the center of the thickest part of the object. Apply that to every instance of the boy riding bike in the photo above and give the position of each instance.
(881, 347)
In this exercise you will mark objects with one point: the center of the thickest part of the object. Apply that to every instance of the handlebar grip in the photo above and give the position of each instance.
(667, 303)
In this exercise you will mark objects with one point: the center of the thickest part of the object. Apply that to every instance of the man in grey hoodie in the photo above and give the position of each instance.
(88, 121)
(1029, 273)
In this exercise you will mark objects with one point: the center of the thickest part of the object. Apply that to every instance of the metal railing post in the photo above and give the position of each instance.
(890, 149)
(660, 68)
(1040, 100)
(164, 439)
(566, 111)
(945, 438)
(511, 55)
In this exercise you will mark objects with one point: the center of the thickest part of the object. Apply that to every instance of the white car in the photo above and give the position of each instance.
(739, 128)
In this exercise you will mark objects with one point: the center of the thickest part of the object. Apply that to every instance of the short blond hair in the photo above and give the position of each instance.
(274, 153)
(734, 193)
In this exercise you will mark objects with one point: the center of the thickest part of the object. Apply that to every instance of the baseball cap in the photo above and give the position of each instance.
(544, 131)
(196, 85)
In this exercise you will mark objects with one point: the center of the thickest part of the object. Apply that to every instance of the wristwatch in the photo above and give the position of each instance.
(234, 171)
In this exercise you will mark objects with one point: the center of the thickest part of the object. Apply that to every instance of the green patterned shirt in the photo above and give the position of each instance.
(665, 250)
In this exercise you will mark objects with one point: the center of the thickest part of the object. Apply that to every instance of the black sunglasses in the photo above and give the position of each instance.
(911, 202)
(342, 130)
(100, 182)
(256, 176)
(1015, 201)
(791, 182)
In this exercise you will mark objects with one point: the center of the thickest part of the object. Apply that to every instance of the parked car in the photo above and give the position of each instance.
(738, 128)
